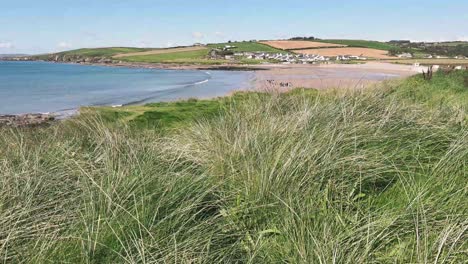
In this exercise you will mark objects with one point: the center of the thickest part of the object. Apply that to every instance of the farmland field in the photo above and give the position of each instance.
(370, 53)
(194, 56)
(247, 47)
(360, 43)
(159, 51)
(103, 52)
(293, 44)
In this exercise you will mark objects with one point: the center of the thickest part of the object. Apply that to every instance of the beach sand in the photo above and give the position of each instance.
(330, 75)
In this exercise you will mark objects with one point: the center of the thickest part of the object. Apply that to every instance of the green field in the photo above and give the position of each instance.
(102, 52)
(360, 43)
(247, 47)
(184, 57)
(453, 43)
(336, 176)
(187, 57)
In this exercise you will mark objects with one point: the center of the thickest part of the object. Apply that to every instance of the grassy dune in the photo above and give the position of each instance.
(373, 176)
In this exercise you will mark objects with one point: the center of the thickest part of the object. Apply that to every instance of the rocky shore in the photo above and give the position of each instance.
(26, 120)
(107, 61)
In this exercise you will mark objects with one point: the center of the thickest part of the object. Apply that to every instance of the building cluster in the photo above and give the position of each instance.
(282, 57)
(429, 56)
(288, 58)
(349, 57)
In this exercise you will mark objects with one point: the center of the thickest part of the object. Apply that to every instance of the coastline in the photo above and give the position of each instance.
(27, 120)
(266, 77)
(169, 66)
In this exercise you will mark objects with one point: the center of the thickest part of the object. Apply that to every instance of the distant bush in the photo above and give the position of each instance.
(303, 38)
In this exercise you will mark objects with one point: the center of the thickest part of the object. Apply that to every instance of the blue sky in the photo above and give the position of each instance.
(38, 26)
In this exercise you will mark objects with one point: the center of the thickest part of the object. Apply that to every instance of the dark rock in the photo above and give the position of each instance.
(26, 120)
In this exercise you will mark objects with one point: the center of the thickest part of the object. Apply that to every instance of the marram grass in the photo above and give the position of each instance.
(333, 177)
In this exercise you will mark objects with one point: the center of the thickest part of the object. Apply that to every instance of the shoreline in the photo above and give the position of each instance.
(168, 66)
(266, 77)
(27, 120)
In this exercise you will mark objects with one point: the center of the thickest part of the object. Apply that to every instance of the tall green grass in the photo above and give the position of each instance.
(368, 176)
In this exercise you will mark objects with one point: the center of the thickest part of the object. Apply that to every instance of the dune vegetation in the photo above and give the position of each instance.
(344, 176)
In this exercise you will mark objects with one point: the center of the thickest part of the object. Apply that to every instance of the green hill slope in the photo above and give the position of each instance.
(247, 47)
(360, 43)
(95, 52)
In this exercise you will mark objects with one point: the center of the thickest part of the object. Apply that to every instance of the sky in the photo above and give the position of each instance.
(41, 26)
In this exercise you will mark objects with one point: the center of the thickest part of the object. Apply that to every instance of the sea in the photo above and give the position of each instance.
(43, 87)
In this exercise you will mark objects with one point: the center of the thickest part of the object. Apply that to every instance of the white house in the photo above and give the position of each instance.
(405, 55)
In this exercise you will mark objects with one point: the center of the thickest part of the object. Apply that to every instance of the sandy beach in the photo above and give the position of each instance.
(327, 76)
(318, 76)
(268, 77)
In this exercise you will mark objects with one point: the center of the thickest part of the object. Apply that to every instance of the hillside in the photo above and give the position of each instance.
(200, 54)
(361, 176)
(101, 52)
(177, 55)
(12, 55)
(247, 46)
(360, 43)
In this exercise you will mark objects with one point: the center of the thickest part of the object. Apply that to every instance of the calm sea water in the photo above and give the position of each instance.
(33, 87)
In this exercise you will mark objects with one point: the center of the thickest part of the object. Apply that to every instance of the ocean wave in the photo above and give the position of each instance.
(201, 82)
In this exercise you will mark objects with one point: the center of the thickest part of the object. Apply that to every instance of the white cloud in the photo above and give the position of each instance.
(64, 45)
(6, 45)
(198, 35)
(220, 34)
(464, 38)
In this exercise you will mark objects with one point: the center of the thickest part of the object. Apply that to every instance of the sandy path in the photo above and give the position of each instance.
(158, 51)
(330, 52)
(331, 76)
